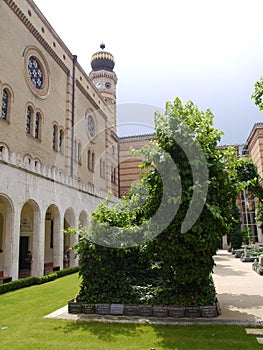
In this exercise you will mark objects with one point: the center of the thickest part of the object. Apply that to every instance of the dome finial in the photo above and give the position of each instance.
(102, 60)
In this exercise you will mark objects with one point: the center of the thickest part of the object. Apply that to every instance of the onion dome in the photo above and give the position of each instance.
(102, 60)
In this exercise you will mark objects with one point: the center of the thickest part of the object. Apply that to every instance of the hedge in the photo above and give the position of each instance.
(33, 280)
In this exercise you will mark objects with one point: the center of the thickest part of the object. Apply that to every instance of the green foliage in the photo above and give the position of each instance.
(259, 217)
(258, 93)
(129, 274)
(235, 235)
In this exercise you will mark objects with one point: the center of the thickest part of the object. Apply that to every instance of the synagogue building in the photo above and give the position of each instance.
(60, 154)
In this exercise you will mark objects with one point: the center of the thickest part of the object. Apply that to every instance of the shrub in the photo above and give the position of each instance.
(33, 280)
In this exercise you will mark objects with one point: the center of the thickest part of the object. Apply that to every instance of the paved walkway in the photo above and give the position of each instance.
(239, 290)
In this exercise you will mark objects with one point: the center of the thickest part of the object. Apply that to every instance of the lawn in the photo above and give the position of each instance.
(22, 326)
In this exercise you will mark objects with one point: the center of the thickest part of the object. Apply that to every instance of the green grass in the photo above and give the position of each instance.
(22, 312)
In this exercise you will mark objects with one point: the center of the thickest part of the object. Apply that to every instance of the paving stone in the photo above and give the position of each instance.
(255, 331)
(260, 340)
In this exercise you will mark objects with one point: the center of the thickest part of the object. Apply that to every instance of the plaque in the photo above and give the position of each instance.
(160, 311)
(88, 309)
(209, 311)
(176, 311)
(74, 307)
(145, 310)
(193, 311)
(116, 309)
(130, 310)
(103, 309)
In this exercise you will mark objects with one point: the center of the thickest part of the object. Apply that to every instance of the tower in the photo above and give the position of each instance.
(105, 79)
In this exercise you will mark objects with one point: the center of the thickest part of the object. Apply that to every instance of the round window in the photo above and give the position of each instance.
(35, 72)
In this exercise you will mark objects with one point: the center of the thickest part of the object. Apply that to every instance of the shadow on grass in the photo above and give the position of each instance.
(168, 337)
(104, 331)
(159, 336)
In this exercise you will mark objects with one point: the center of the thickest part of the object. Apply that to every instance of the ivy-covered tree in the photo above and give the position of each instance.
(188, 257)
(160, 240)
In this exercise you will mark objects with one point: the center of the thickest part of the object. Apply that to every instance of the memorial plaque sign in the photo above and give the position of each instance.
(116, 309)
(88, 309)
(145, 310)
(159, 311)
(103, 309)
(130, 310)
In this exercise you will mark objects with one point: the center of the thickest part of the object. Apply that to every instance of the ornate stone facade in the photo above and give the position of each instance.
(58, 132)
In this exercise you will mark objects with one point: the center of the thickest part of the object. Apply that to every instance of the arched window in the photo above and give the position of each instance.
(55, 137)
(61, 140)
(28, 120)
(75, 150)
(102, 168)
(89, 159)
(5, 104)
(92, 161)
(113, 174)
(79, 153)
(37, 125)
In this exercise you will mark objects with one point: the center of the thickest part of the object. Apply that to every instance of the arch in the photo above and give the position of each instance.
(38, 125)
(29, 119)
(79, 152)
(37, 164)
(61, 140)
(27, 160)
(53, 254)
(7, 101)
(69, 241)
(6, 228)
(91, 160)
(4, 151)
(55, 137)
(5, 107)
(30, 239)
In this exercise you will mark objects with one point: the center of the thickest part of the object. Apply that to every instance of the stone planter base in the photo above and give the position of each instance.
(158, 311)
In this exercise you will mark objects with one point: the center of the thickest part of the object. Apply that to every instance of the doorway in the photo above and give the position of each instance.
(23, 249)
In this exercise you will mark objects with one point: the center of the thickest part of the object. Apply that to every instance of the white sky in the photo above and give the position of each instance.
(207, 51)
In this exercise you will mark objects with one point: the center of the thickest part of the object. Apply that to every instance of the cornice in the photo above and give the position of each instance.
(28, 24)
(255, 134)
(103, 74)
(143, 137)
